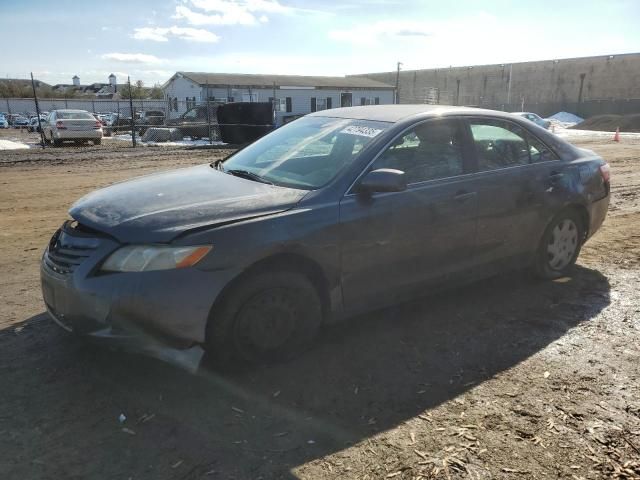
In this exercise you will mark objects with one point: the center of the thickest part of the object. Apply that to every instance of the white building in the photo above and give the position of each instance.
(295, 95)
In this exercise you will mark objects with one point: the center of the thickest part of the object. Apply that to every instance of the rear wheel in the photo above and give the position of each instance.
(97, 141)
(268, 317)
(56, 143)
(560, 245)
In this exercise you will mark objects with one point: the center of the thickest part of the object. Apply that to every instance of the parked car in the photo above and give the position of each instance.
(532, 117)
(71, 125)
(20, 122)
(117, 123)
(4, 123)
(336, 213)
(149, 118)
(34, 125)
(194, 123)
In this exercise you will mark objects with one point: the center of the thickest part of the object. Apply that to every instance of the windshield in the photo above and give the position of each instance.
(74, 115)
(307, 153)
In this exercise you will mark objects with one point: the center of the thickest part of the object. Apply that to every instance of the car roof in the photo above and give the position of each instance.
(69, 110)
(396, 113)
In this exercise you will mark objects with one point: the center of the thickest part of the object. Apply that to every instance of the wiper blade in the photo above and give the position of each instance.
(248, 175)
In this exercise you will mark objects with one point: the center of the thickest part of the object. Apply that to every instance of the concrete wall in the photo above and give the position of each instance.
(607, 77)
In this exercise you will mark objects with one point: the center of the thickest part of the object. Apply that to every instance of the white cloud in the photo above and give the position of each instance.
(162, 34)
(376, 32)
(229, 12)
(133, 58)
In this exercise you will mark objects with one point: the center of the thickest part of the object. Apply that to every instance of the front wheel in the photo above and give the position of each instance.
(560, 246)
(267, 317)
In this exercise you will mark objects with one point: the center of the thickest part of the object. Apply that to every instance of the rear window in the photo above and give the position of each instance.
(74, 116)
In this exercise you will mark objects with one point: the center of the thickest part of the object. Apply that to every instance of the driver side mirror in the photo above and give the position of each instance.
(383, 180)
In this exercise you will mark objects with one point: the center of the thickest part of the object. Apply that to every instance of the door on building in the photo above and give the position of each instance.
(346, 99)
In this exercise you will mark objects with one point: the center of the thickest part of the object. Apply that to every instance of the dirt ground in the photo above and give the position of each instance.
(509, 378)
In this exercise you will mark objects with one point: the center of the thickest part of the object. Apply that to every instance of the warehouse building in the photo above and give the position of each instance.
(294, 95)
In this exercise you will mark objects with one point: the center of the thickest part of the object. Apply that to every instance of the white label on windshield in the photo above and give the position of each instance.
(361, 131)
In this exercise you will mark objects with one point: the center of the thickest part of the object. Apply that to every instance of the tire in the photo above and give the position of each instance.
(560, 245)
(56, 143)
(267, 317)
(97, 142)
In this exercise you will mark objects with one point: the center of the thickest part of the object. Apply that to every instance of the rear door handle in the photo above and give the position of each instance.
(463, 195)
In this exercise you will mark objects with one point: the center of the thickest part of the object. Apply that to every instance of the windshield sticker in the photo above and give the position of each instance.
(361, 131)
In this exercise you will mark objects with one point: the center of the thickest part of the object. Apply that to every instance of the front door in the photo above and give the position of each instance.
(395, 244)
(346, 99)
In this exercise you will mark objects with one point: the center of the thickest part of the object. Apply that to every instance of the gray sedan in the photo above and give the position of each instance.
(339, 212)
(71, 125)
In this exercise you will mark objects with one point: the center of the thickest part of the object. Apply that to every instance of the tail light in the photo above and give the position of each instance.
(605, 172)
(60, 125)
(98, 124)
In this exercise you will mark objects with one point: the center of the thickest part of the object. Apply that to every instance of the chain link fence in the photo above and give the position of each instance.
(136, 122)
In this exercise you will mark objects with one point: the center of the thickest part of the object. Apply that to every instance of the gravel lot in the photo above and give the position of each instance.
(509, 378)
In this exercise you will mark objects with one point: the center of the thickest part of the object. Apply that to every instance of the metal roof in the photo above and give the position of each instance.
(255, 80)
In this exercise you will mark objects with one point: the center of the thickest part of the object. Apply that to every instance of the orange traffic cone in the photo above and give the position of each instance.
(616, 137)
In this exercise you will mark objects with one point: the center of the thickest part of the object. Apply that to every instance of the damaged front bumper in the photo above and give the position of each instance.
(160, 313)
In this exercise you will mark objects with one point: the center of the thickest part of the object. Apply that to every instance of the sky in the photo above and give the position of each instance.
(151, 40)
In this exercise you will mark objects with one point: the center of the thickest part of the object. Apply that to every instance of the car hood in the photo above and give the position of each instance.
(157, 208)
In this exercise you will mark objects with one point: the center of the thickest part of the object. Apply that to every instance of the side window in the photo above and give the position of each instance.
(429, 151)
(539, 151)
(499, 144)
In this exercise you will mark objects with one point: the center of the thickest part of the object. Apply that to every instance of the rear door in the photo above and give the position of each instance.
(394, 244)
(515, 172)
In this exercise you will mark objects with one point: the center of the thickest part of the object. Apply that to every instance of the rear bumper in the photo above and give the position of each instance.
(597, 213)
(77, 134)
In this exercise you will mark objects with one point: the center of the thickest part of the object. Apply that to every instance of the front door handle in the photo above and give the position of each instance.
(463, 195)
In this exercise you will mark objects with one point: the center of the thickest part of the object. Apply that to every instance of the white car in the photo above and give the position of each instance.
(72, 125)
(4, 123)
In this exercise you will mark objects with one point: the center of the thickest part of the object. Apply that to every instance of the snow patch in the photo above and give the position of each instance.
(11, 145)
(566, 117)
(186, 142)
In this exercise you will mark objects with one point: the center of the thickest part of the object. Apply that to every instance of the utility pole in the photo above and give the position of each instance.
(397, 99)
(133, 119)
(509, 87)
(35, 97)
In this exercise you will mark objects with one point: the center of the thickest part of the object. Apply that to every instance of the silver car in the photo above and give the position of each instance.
(535, 119)
(72, 125)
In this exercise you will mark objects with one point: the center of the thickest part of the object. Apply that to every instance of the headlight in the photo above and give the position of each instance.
(144, 258)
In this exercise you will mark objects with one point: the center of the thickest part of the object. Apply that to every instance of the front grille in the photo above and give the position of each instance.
(68, 248)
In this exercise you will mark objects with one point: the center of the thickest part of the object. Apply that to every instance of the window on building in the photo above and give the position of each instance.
(249, 97)
(363, 101)
(288, 105)
(313, 104)
(230, 99)
(329, 103)
(376, 101)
